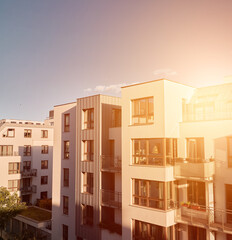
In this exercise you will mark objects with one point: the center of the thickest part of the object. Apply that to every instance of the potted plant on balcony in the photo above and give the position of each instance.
(185, 204)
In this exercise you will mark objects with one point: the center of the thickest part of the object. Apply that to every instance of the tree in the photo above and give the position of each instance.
(10, 206)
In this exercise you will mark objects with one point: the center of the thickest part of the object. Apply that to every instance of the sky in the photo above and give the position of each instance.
(54, 51)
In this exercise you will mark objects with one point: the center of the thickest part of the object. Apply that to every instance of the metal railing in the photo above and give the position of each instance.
(29, 173)
(111, 163)
(207, 217)
(28, 189)
(111, 198)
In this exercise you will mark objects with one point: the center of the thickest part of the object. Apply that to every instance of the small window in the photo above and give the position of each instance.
(27, 150)
(13, 185)
(6, 150)
(66, 177)
(65, 205)
(27, 133)
(26, 165)
(66, 149)
(65, 232)
(44, 164)
(66, 122)
(88, 151)
(88, 118)
(10, 133)
(44, 149)
(116, 118)
(44, 133)
(13, 168)
(44, 180)
(44, 195)
(142, 111)
(87, 215)
(87, 183)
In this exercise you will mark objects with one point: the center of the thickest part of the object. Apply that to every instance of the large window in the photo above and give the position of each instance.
(87, 215)
(142, 111)
(66, 122)
(88, 118)
(229, 151)
(153, 152)
(196, 192)
(148, 231)
(195, 147)
(27, 133)
(66, 149)
(153, 194)
(116, 117)
(6, 150)
(13, 168)
(27, 150)
(13, 185)
(88, 150)
(44, 133)
(66, 177)
(65, 205)
(87, 182)
(44, 149)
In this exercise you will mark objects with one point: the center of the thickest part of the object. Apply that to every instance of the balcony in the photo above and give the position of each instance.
(206, 217)
(111, 198)
(110, 163)
(194, 169)
(28, 189)
(29, 173)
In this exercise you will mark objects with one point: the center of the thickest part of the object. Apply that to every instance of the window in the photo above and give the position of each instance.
(88, 118)
(6, 150)
(65, 205)
(10, 133)
(195, 148)
(229, 151)
(66, 149)
(44, 133)
(44, 164)
(196, 192)
(44, 180)
(87, 182)
(13, 185)
(87, 215)
(116, 118)
(66, 177)
(27, 150)
(65, 232)
(142, 111)
(13, 168)
(44, 195)
(88, 151)
(144, 231)
(66, 122)
(26, 165)
(27, 133)
(196, 233)
(44, 149)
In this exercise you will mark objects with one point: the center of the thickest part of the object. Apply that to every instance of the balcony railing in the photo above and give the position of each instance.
(28, 189)
(110, 163)
(111, 198)
(29, 173)
(207, 217)
(194, 168)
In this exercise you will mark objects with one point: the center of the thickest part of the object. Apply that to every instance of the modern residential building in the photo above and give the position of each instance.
(26, 158)
(176, 161)
(87, 173)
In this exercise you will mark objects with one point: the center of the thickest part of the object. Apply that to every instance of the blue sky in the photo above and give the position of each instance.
(52, 52)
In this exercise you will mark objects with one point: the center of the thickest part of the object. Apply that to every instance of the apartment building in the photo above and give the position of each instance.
(87, 174)
(26, 158)
(176, 161)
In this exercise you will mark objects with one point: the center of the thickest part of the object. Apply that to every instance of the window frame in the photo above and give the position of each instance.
(44, 133)
(86, 211)
(44, 180)
(87, 184)
(88, 150)
(14, 170)
(66, 177)
(65, 231)
(66, 149)
(8, 150)
(44, 149)
(67, 122)
(65, 205)
(27, 133)
(88, 118)
(44, 164)
(7, 133)
(27, 151)
(14, 188)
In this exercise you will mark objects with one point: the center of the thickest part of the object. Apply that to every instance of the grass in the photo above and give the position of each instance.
(37, 214)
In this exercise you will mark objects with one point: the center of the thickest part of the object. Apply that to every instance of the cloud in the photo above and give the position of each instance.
(164, 72)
